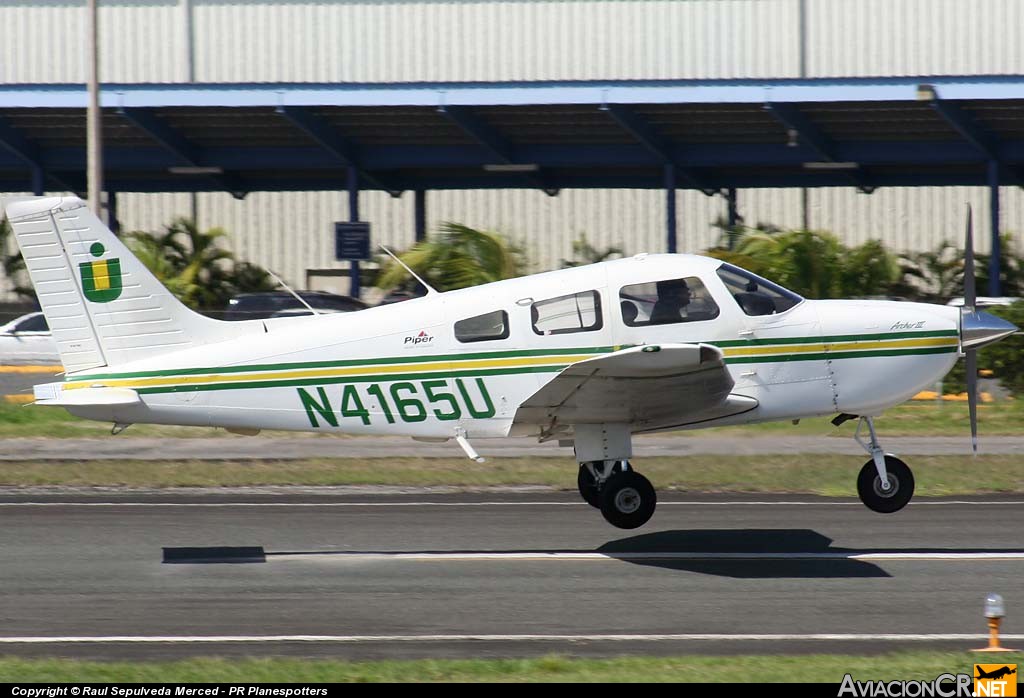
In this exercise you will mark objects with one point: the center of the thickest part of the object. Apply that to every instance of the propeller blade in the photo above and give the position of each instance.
(972, 395)
(969, 311)
(970, 294)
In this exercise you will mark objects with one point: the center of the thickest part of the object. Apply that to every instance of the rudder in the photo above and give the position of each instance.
(104, 307)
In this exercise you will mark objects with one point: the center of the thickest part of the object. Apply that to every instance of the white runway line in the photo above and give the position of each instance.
(667, 556)
(481, 504)
(699, 637)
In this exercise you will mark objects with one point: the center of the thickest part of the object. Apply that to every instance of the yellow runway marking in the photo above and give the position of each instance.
(52, 368)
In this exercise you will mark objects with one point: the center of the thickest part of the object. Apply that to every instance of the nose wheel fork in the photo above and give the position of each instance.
(885, 483)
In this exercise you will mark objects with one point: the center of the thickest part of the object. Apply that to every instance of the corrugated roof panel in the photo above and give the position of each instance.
(914, 37)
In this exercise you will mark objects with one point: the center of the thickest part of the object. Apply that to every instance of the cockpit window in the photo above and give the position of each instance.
(756, 296)
(666, 302)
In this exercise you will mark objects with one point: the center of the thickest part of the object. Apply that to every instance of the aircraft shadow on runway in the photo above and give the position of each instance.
(773, 553)
(766, 544)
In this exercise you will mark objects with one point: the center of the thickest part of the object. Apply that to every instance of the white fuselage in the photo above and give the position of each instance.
(399, 369)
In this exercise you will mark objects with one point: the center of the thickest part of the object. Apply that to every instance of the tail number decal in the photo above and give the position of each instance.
(101, 280)
(405, 401)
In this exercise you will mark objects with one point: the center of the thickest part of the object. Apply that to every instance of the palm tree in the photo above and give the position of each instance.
(806, 261)
(585, 253)
(934, 276)
(1011, 269)
(14, 265)
(192, 264)
(868, 270)
(457, 257)
(813, 263)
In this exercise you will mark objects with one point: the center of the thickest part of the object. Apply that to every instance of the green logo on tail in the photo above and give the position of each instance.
(101, 280)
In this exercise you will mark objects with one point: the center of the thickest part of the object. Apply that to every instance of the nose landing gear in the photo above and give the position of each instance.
(885, 483)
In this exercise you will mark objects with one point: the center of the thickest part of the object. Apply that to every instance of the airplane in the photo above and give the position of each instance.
(586, 356)
(995, 674)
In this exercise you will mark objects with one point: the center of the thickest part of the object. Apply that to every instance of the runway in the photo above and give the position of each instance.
(491, 574)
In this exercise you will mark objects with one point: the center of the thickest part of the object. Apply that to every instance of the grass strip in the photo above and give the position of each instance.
(827, 474)
(823, 668)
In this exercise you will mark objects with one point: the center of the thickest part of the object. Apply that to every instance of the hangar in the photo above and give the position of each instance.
(546, 119)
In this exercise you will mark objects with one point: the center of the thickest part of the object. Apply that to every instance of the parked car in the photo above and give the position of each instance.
(27, 340)
(258, 306)
(403, 294)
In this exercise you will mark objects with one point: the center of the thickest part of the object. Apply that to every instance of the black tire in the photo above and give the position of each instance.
(901, 481)
(628, 500)
(588, 487)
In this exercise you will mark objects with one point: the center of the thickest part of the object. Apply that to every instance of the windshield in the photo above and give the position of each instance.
(756, 296)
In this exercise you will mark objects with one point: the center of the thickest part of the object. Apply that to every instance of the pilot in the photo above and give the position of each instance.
(673, 297)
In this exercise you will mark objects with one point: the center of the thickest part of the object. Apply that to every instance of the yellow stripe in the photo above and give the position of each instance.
(842, 346)
(331, 372)
(19, 399)
(100, 275)
(470, 364)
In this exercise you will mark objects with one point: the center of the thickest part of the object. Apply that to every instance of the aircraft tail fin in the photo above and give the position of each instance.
(103, 306)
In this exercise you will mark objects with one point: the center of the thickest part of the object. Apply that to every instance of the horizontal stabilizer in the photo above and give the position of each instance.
(54, 394)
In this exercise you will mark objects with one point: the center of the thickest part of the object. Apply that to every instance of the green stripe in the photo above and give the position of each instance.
(834, 355)
(507, 354)
(332, 380)
(469, 373)
(833, 339)
(350, 362)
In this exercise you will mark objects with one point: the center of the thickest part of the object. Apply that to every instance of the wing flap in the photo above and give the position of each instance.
(648, 387)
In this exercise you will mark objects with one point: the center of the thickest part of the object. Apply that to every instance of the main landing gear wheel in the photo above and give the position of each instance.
(901, 486)
(587, 485)
(628, 500)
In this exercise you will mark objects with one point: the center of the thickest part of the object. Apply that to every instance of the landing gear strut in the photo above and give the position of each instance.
(592, 477)
(885, 483)
(607, 481)
(625, 497)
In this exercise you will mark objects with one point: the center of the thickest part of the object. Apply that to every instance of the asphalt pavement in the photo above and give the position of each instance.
(120, 575)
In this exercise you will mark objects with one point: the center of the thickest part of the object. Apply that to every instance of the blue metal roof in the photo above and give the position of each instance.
(717, 134)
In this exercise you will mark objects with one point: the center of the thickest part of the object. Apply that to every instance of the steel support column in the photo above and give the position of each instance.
(733, 217)
(353, 217)
(38, 181)
(670, 208)
(420, 214)
(112, 221)
(94, 116)
(994, 263)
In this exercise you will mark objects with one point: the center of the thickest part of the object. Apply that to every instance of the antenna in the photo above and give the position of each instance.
(430, 289)
(288, 288)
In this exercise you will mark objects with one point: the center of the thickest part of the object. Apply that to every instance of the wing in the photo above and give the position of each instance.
(649, 387)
